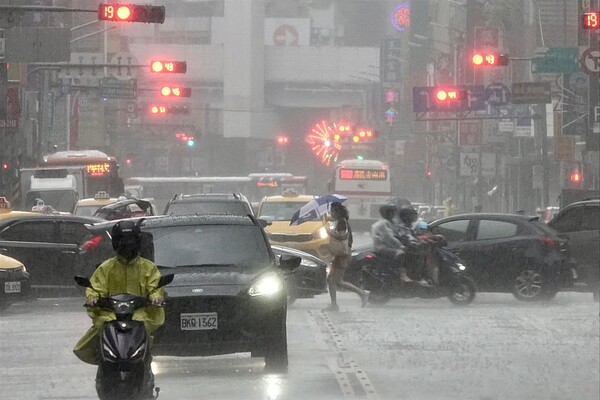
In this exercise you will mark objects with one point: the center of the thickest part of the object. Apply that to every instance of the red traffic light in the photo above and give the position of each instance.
(591, 20)
(443, 95)
(168, 67)
(282, 140)
(5, 166)
(576, 177)
(157, 109)
(176, 91)
(117, 12)
(489, 59)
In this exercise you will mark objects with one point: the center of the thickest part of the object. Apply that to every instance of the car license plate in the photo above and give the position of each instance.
(199, 322)
(12, 287)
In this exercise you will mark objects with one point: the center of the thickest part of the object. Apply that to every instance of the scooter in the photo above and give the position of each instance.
(124, 371)
(385, 283)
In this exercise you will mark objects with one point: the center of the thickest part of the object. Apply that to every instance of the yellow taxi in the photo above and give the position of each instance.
(14, 279)
(87, 207)
(310, 236)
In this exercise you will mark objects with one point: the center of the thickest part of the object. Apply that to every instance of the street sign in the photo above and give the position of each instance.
(112, 88)
(390, 52)
(424, 99)
(37, 44)
(531, 93)
(505, 125)
(557, 60)
(497, 94)
(590, 61)
(469, 164)
(564, 148)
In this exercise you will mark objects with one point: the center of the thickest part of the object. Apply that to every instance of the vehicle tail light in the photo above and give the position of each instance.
(548, 242)
(369, 256)
(91, 244)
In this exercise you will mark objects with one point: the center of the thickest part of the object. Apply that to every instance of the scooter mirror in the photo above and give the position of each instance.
(165, 280)
(83, 281)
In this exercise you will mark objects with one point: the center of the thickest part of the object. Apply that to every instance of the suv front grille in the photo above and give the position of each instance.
(282, 237)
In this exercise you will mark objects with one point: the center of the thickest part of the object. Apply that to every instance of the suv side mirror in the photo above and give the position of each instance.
(263, 222)
(289, 263)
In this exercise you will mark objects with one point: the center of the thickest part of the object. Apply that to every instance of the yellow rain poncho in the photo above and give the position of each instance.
(114, 276)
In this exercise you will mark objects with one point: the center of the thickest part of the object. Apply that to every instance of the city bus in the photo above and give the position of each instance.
(366, 184)
(100, 172)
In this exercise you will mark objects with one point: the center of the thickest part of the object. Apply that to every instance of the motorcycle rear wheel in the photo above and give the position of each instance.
(463, 292)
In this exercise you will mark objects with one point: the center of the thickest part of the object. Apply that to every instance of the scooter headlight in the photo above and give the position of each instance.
(461, 267)
(268, 285)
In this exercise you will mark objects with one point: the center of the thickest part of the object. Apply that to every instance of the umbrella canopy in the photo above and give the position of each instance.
(315, 208)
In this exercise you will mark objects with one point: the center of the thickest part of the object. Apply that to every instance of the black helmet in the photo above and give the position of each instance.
(388, 211)
(127, 239)
(407, 214)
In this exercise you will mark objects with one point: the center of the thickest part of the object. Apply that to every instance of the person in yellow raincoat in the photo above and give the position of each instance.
(127, 272)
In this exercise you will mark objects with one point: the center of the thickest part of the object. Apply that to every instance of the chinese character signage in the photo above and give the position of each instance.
(363, 174)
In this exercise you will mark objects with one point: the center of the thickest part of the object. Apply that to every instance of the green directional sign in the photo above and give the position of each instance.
(557, 60)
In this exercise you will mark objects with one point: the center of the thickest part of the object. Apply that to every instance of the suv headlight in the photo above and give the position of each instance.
(321, 233)
(266, 286)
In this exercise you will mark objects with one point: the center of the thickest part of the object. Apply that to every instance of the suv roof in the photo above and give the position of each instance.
(182, 220)
(208, 197)
(211, 198)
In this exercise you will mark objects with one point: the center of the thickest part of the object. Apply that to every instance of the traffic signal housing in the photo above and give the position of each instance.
(188, 140)
(176, 91)
(590, 20)
(576, 177)
(118, 12)
(161, 109)
(168, 67)
(489, 59)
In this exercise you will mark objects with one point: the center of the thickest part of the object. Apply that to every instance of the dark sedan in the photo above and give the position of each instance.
(309, 279)
(228, 294)
(504, 252)
(508, 253)
(48, 244)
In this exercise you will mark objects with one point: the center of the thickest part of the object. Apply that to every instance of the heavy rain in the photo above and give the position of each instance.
(300, 199)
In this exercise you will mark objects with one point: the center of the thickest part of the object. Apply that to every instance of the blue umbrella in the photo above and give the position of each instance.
(315, 208)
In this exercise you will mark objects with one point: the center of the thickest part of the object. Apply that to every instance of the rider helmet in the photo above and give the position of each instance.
(388, 211)
(127, 239)
(407, 214)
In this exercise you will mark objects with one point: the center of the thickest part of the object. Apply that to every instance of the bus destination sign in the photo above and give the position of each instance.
(363, 174)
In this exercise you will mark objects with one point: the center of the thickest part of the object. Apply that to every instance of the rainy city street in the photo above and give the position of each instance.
(496, 348)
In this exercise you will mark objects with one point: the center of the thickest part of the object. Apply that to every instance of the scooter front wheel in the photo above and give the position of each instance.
(462, 291)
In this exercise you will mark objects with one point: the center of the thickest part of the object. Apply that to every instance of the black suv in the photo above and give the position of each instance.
(580, 223)
(209, 203)
(228, 295)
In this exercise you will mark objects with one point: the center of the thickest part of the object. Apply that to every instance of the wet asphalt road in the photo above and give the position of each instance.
(497, 348)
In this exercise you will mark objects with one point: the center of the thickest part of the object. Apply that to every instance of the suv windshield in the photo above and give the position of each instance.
(199, 245)
(205, 207)
(280, 211)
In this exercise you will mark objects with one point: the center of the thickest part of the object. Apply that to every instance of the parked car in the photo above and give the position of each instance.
(310, 236)
(48, 244)
(209, 203)
(14, 281)
(580, 223)
(509, 253)
(228, 294)
(309, 279)
(125, 208)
